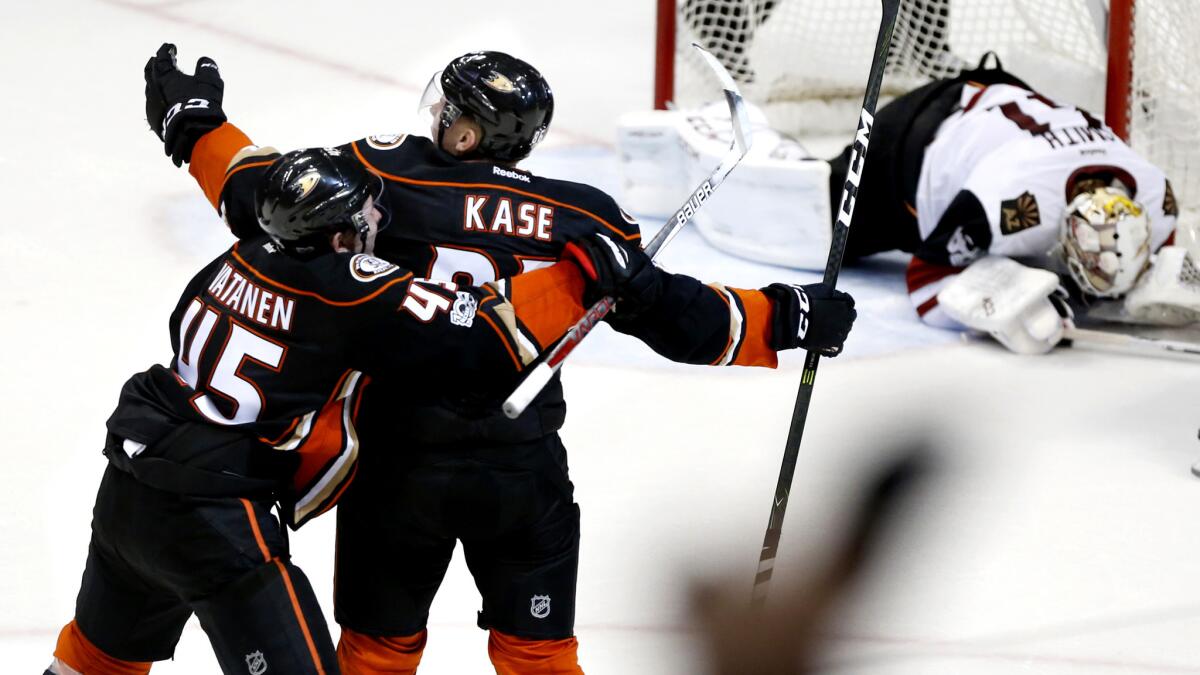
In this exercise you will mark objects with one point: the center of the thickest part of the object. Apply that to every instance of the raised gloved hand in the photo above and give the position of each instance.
(816, 317)
(614, 267)
(181, 108)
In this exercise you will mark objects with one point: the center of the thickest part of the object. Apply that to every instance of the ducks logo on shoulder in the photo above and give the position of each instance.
(366, 268)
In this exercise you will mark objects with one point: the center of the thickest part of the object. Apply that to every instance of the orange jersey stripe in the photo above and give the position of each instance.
(286, 432)
(548, 301)
(755, 349)
(312, 646)
(211, 157)
(262, 544)
(493, 186)
(503, 340)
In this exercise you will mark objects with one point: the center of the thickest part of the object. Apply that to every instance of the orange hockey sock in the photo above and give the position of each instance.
(512, 655)
(75, 650)
(360, 654)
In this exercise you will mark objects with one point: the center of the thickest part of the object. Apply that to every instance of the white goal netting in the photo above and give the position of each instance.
(806, 61)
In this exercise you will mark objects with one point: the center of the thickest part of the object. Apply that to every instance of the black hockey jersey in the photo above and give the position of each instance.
(281, 349)
(474, 221)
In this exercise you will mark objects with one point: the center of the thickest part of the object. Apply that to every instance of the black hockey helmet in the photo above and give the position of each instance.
(509, 99)
(307, 195)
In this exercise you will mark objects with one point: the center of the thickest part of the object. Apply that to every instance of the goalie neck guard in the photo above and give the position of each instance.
(1105, 238)
(507, 97)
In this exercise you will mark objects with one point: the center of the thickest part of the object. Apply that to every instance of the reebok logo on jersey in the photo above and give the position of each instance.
(507, 173)
(367, 268)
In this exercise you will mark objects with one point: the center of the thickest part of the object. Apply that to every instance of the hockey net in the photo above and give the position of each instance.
(805, 62)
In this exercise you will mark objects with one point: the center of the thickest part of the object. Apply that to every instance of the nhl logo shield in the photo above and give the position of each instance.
(539, 606)
(256, 663)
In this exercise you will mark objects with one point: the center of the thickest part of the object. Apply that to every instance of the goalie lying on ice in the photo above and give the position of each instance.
(1010, 203)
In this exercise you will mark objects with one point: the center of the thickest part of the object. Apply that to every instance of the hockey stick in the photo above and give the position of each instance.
(841, 230)
(540, 374)
(1131, 344)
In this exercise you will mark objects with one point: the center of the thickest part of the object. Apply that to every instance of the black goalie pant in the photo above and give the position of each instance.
(156, 557)
(510, 506)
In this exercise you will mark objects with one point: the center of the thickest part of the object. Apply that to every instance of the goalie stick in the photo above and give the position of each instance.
(540, 374)
(1131, 344)
(841, 230)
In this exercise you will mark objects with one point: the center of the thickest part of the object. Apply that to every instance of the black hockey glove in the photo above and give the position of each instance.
(815, 317)
(181, 108)
(613, 267)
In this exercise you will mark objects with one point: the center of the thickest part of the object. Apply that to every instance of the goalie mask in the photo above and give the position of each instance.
(1105, 238)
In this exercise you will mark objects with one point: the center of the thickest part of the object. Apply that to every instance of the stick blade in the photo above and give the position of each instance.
(733, 97)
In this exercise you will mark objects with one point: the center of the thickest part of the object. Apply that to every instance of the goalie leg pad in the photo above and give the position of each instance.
(1021, 307)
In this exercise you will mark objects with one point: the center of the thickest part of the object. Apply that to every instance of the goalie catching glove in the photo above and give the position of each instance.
(816, 317)
(181, 108)
(1024, 308)
(1169, 292)
(617, 269)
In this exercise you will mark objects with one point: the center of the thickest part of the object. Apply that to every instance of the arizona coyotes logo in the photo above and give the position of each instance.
(539, 606)
(499, 82)
(305, 184)
(256, 663)
(1019, 214)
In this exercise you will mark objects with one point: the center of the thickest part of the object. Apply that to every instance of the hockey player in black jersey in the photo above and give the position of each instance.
(274, 342)
(464, 211)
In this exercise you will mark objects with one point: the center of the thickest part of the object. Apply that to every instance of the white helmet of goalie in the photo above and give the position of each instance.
(1105, 239)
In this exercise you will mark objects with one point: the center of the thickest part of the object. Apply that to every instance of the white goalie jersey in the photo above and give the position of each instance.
(995, 180)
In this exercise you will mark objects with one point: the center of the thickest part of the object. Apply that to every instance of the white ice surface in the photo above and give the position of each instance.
(1060, 536)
